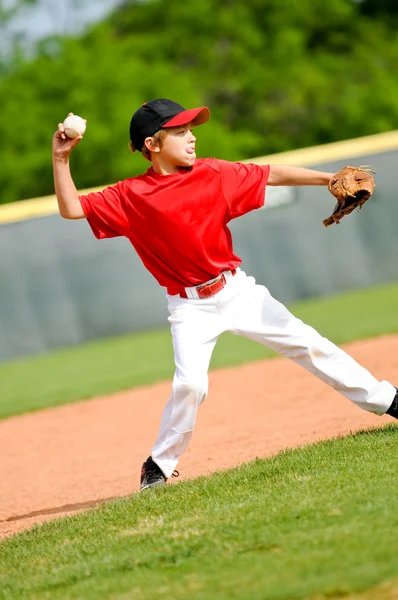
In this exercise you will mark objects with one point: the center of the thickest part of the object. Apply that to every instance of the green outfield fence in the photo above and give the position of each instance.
(60, 286)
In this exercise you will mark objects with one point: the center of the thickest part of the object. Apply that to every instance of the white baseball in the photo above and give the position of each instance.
(74, 126)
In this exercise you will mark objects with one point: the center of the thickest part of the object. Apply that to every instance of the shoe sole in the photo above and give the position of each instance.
(152, 485)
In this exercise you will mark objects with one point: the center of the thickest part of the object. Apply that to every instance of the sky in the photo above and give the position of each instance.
(58, 16)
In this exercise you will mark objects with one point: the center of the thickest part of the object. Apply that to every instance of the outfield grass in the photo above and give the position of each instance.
(110, 365)
(315, 522)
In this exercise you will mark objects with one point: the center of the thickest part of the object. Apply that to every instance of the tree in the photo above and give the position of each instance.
(277, 75)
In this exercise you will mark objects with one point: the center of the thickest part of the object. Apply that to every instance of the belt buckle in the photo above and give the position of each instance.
(210, 289)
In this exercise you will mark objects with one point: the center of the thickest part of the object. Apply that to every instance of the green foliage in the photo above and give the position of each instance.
(317, 522)
(386, 9)
(277, 75)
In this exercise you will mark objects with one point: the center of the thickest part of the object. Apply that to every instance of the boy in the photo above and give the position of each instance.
(175, 215)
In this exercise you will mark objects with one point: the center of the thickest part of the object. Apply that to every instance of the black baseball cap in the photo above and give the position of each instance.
(160, 113)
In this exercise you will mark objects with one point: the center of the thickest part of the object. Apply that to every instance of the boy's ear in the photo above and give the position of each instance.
(150, 144)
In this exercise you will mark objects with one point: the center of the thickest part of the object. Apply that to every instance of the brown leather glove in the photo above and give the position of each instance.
(352, 187)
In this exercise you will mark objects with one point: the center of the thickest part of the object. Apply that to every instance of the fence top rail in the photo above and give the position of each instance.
(316, 155)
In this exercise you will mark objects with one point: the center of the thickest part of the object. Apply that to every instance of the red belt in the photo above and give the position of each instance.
(206, 290)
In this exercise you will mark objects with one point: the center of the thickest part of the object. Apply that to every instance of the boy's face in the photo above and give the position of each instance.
(178, 146)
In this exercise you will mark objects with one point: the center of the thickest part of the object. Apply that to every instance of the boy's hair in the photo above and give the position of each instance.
(157, 138)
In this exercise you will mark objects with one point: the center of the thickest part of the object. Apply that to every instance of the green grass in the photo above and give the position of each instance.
(110, 365)
(316, 522)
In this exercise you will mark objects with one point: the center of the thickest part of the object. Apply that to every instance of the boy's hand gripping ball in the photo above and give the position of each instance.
(74, 126)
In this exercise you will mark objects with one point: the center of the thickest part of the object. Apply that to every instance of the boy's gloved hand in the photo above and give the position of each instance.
(352, 187)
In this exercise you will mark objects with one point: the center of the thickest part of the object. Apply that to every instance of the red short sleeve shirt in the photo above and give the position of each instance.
(178, 223)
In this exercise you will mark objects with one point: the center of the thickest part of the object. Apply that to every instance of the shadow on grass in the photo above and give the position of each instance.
(66, 508)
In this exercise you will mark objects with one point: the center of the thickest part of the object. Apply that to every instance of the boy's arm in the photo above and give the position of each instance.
(287, 175)
(65, 189)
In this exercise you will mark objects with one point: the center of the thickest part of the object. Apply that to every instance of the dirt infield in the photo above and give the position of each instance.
(60, 461)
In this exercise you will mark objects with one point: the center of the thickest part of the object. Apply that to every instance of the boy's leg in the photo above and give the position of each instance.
(267, 321)
(195, 333)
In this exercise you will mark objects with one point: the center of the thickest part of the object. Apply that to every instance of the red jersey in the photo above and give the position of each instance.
(178, 223)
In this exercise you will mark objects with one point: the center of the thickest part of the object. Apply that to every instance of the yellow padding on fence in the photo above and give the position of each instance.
(36, 207)
(345, 150)
(27, 209)
(371, 144)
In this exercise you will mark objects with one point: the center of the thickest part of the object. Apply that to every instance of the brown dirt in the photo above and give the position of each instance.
(63, 460)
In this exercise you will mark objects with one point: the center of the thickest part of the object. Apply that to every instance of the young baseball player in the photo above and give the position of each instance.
(176, 216)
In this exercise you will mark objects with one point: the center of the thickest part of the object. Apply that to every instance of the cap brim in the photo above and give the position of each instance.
(197, 116)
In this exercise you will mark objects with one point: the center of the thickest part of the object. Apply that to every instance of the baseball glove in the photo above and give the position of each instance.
(352, 187)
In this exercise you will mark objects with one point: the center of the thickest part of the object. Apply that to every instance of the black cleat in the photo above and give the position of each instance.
(151, 475)
(393, 410)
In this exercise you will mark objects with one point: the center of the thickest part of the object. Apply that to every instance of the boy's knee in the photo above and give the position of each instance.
(195, 389)
(314, 348)
(295, 352)
(188, 396)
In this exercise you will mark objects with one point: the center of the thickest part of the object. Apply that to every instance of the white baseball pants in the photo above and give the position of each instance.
(247, 309)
